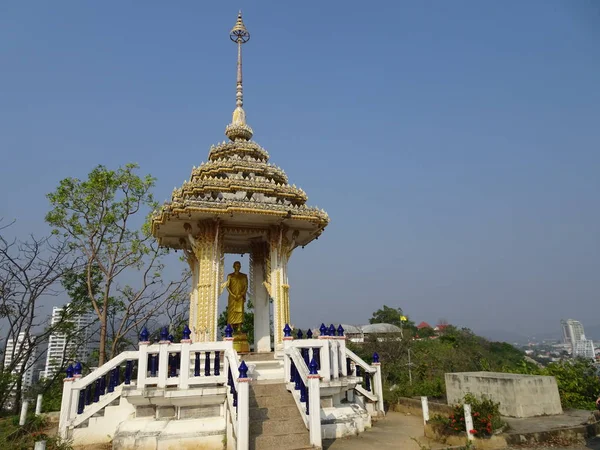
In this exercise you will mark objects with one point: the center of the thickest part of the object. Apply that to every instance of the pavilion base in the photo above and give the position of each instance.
(240, 343)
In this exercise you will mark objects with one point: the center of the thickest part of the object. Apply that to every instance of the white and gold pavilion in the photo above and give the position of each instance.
(239, 203)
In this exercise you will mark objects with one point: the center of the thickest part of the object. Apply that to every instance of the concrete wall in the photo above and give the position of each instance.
(518, 395)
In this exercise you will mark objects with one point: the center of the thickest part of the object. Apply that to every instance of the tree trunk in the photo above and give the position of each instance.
(18, 393)
(102, 346)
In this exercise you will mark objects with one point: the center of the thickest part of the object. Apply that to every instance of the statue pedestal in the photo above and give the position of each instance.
(240, 343)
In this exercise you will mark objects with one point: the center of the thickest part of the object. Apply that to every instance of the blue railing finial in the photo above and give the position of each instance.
(323, 330)
(331, 330)
(69, 371)
(340, 330)
(186, 333)
(287, 331)
(77, 368)
(243, 370)
(170, 338)
(312, 367)
(144, 335)
(309, 334)
(375, 357)
(299, 335)
(164, 334)
(228, 331)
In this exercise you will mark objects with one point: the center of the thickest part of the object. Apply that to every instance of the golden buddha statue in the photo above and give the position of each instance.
(237, 286)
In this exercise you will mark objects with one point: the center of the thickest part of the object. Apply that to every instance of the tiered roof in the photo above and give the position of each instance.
(238, 178)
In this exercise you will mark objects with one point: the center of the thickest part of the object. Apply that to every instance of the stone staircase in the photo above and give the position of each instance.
(275, 422)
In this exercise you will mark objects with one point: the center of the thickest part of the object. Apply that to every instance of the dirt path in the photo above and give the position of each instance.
(395, 431)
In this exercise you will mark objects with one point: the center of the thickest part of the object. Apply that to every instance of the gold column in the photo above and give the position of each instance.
(207, 247)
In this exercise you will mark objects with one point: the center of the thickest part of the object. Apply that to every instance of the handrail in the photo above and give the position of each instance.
(307, 382)
(358, 360)
(103, 370)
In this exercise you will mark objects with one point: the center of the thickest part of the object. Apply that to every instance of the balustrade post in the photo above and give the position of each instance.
(335, 360)
(425, 408)
(314, 405)
(65, 404)
(184, 365)
(163, 358)
(243, 408)
(142, 363)
(341, 340)
(378, 383)
(325, 359)
(288, 339)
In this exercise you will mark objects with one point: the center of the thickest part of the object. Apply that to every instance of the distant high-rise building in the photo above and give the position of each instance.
(572, 331)
(66, 348)
(584, 348)
(15, 350)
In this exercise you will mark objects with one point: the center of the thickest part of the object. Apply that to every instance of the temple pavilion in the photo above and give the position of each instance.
(237, 202)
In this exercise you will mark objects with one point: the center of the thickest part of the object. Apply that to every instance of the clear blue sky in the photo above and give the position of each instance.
(455, 145)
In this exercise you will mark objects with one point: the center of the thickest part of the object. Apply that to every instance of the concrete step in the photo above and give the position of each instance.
(268, 390)
(274, 412)
(277, 427)
(259, 357)
(290, 442)
(270, 401)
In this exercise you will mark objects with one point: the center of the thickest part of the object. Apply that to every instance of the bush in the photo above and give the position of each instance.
(485, 413)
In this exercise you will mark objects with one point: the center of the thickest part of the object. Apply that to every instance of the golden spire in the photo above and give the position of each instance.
(238, 129)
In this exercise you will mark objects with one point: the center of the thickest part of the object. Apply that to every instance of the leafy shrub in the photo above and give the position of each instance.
(485, 413)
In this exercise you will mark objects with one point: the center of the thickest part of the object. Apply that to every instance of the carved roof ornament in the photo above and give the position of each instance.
(238, 129)
(238, 180)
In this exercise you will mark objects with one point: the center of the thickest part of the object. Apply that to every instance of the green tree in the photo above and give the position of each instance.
(392, 316)
(104, 218)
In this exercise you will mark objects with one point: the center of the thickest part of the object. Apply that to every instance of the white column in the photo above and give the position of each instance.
(469, 422)
(142, 365)
(378, 387)
(184, 368)
(325, 356)
(287, 343)
(24, 407)
(163, 363)
(38, 405)
(65, 407)
(243, 414)
(314, 409)
(262, 322)
(425, 408)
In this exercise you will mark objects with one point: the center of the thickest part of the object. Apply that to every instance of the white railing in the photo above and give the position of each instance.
(306, 390)
(183, 365)
(334, 361)
(238, 400)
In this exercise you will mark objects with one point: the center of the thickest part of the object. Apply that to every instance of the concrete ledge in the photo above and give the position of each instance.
(413, 406)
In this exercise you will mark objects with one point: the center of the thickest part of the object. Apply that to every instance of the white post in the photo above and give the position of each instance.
(314, 409)
(142, 365)
(24, 407)
(40, 445)
(38, 405)
(184, 368)
(65, 407)
(469, 422)
(425, 407)
(163, 363)
(260, 300)
(378, 387)
(335, 370)
(243, 414)
(342, 354)
(287, 343)
(324, 355)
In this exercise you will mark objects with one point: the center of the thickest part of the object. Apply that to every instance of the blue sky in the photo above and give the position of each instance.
(454, 144)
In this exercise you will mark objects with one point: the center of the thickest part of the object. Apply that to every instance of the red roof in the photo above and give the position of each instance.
(423, 325)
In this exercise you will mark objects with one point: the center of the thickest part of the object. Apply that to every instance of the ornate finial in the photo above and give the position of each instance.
(238, 129)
